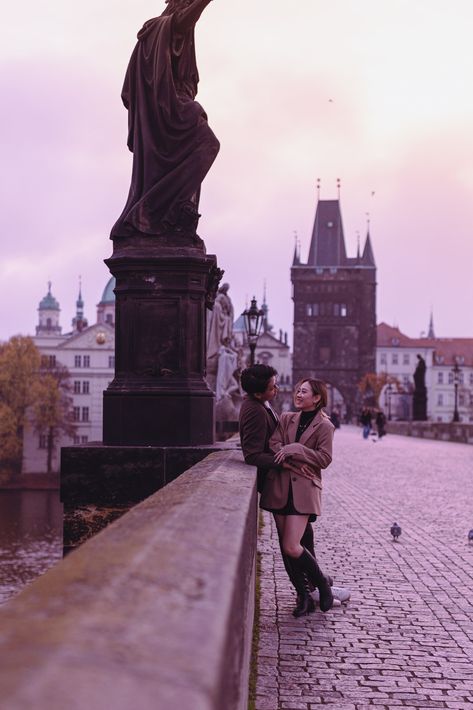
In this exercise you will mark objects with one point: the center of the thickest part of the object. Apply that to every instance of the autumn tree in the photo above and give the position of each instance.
(31, 392)
(51, 412)
(371, 385)
(19, 374)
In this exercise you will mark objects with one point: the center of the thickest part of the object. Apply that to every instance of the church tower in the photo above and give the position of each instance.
(48, 315)
(334, 308)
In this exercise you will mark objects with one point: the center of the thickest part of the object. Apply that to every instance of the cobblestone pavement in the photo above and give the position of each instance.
(406, 637)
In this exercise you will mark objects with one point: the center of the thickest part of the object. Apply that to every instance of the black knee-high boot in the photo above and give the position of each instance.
(307, 540)
(305, 604)
(307, 564)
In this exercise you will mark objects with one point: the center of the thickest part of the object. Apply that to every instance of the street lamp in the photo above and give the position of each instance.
(456, 381)
(253, 318)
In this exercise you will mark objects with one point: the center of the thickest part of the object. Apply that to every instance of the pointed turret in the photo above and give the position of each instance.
(431, 333)
(79, 322)
(327, 247)
(368, 256)
(48, 312)
(296, 259)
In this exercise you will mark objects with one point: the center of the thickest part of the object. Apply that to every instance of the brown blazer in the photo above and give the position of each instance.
(314, 448)
(256, 426)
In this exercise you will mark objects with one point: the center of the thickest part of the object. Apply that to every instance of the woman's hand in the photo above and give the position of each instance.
(282, 455)
(305, 471)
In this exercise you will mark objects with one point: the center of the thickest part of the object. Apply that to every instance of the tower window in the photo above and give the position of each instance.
(109, 319)
(336, 309)
(343, 310)
(308, 309)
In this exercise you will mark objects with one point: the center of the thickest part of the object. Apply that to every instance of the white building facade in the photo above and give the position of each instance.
(396, 356)
(88, 352)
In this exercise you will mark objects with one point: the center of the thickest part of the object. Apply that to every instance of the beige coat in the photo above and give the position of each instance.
(314, 448)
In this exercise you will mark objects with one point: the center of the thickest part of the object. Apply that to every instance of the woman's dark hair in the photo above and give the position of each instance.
(256, 378)
(318, 388)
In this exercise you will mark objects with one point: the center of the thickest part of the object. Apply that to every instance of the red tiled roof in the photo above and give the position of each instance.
(451, 350)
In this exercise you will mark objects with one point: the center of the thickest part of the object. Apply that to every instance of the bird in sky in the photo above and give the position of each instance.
(470, 536)
(395, 531)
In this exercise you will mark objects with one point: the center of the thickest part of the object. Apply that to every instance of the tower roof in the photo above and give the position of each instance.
(327, 247)
(49, 303)
(368, 256)
(108, 295)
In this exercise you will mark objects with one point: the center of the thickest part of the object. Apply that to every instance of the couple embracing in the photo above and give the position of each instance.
(289, 453)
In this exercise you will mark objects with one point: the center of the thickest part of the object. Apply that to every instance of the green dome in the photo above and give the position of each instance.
(49, 303)
(108, 295)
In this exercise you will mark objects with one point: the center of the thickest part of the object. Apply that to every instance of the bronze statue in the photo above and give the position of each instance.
(419, 409)
(172, 144)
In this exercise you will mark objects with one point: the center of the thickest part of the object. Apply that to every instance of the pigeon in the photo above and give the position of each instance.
(470, 536)
(395, 531)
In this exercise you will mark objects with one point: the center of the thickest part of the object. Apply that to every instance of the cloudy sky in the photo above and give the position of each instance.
(378, 94)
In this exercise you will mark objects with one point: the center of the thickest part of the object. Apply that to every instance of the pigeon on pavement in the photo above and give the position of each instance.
(395, 531)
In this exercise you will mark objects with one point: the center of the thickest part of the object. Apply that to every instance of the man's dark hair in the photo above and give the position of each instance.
(256, 378)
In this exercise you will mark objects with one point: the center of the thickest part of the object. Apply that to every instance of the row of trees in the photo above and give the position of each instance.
(33, 392)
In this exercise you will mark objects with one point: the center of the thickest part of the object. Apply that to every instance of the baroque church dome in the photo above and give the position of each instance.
(108, 295)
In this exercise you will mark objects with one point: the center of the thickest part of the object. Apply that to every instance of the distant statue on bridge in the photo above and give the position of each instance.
(172, 144)
(419, 406)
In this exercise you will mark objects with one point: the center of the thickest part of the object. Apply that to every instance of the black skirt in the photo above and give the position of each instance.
(289, 508)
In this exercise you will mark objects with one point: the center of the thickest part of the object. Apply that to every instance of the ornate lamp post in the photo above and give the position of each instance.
(456, 382)
(253, 318)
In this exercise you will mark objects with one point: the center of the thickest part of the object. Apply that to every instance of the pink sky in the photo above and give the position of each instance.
(375, 93)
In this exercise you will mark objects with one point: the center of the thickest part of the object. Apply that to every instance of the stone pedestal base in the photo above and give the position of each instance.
(99, 483)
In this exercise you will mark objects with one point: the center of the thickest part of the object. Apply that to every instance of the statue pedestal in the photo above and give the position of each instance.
(159, 396)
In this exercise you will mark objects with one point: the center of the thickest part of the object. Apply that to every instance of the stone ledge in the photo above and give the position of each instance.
(154, 612)
(460, 433)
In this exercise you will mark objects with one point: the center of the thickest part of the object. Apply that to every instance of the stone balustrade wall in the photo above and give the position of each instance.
(153, 613)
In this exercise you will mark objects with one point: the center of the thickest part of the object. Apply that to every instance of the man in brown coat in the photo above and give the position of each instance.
(257, 423)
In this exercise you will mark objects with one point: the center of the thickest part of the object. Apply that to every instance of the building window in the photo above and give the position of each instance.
(308, 309)
(109, 319)
(52, 361)
(405, 359)
(86, 360)
(76, 386)
(471, 378)
(395, 358)
(440, 400)
(383, 359)
(85, 387)
(461, 400)
(76, 414)
(450, 378)
(76, 440)
(77, 361)
(439, 359)
(440, 378)
(315, 309)
(336, 309)
(43, 441)
(111, 361)
(85, 414)
(84, 440)
(405, 379)
(343, 310)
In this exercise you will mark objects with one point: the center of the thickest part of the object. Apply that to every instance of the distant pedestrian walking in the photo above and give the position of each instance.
(381, 423)
(365, 421)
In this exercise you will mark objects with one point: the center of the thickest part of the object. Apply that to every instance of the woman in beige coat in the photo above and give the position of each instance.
(301, 438)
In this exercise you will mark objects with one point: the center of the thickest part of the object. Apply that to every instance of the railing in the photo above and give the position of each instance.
(153, 613)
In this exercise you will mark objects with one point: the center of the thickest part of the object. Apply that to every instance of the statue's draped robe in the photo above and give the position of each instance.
(173, 146)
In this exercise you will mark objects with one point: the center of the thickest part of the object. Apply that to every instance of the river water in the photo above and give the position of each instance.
(30, 537)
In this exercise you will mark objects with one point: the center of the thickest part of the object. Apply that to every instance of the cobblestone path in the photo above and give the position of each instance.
(405, 639)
